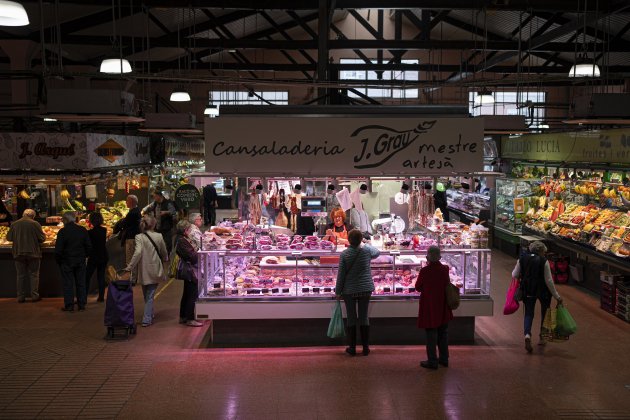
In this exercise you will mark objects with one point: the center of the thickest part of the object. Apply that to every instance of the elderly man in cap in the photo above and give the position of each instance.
(27, 236)
(165, 213)
(434, 314)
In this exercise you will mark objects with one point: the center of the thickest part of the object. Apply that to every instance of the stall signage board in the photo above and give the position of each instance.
(343, 145)
(187, 196)
(107, 150)
(34, 151)
(599, 146)
(43, 151)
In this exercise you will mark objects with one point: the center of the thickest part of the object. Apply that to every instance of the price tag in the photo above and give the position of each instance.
(394, 252)
(296, 252)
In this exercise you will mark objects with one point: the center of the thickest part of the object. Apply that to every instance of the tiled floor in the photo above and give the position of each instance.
(57, 365)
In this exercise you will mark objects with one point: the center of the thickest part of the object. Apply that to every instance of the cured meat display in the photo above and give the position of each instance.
(240, 262)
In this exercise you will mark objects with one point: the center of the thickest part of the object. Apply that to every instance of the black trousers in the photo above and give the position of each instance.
(210, 216)
(100, 276)
(437, 337)
(187, 304)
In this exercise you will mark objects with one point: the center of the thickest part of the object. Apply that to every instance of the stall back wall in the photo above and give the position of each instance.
(343, 145)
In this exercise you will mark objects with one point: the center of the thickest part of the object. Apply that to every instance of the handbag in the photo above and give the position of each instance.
(335, 327)
(565, 324)
(452, 296)
(174, 265)
(511, 304)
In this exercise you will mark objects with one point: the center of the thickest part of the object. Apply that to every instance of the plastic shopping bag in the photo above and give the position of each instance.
(549, 325)
(565, 324)
(335, 327)
(511, 304)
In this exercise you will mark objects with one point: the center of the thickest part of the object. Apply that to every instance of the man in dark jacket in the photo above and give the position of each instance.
(27, 236)
(210, 198)
(72, 248)
(164, 212)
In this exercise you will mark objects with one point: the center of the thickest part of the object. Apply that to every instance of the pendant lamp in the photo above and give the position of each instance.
(211, 111)
(12, 13)
(583, 67)
(484, 97)
(180, 95)
(115, 66)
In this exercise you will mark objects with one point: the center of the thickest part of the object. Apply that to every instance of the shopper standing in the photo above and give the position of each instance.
(72, 248)
(163, 210)
(27, 236)
(536, 284)
(433, 313)
(355, 287)
(149, 256)
(210, 204)
(97, 259)
(129, 226)
(187, 252)
(195, 229)
(5, 215)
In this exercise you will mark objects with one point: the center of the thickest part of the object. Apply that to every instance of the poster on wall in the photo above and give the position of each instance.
(597, 146)
(343, 146)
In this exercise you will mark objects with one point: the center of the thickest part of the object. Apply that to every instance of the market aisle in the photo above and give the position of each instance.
(57, 365)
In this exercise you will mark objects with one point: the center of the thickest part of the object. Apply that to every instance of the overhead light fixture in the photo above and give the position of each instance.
(484, 97)
(543, 126)
(583, 67)
(232, 50)
(180, 95)
(12, 13)
(211, 111)
(115, 66)
(47, 119)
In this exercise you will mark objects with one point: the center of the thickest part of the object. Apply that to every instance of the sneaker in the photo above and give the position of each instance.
(428, 365)
(146, 324)
(194, 323)
(528, 344)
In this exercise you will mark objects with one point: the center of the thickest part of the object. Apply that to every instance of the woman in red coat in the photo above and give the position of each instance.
(434, 314)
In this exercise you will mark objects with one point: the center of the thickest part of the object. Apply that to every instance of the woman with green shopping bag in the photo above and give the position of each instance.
(355, 286)
(536, 284)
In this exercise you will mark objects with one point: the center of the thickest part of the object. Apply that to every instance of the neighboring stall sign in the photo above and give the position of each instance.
(343, 146)
(599, 146)
(45, 151)
(187, 196)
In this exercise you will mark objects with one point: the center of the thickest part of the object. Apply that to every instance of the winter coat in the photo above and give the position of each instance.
(151, 265)
(433, 311)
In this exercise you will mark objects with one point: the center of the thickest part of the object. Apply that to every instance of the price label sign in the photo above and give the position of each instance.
(187, 197)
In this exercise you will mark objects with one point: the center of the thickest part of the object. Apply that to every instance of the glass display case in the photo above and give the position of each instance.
(469, 203)
(312, 274)
(514, 199)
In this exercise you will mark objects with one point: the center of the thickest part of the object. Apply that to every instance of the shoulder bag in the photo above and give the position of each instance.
(452, 296)
(156, 248)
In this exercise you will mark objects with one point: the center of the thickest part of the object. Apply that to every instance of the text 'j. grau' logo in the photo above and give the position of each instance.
(381, 143)
(110, 150)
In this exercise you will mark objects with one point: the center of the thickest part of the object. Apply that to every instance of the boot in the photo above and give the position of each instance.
(365, 339)
(352, 341)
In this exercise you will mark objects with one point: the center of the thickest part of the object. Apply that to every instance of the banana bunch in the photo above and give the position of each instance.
(24, 195)
(610, 193)
(64, 194)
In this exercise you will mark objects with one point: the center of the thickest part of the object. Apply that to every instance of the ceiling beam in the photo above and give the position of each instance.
(548, 5)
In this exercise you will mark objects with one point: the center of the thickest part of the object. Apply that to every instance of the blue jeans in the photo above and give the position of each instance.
(530, 304)
(148, 291)
(363, 303)
(73, 276)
